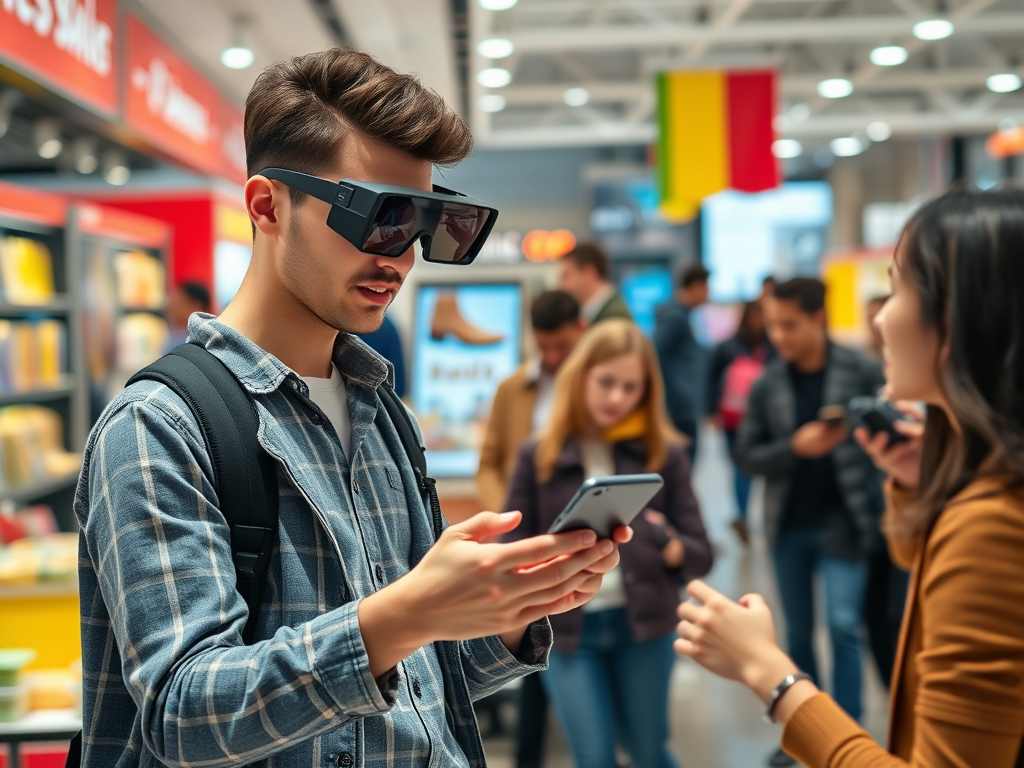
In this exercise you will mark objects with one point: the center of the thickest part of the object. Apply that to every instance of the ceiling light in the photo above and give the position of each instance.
(786, 149)
(879, 131)
(576, 97)
(238, 55)
(47, 138)
(889, 55)
(492, 102)
(115, 168)
(494, 77)
(835, 88)
(1004, 83)
(933, 29)
(497, 5)
(83, 149)
(495, 48)
(846, 146)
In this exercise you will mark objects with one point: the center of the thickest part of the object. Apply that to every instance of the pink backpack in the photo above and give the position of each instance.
(739, 380)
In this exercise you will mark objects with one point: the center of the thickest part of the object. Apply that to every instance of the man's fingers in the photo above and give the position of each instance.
(541, 549)
(485, 525)
(622, 535)
(553, 574)
(605, 564)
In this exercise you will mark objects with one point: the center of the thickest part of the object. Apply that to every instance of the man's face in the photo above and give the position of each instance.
(555, 346)
(344, 287)
(793, 332)
(574, 280)
(696, 295)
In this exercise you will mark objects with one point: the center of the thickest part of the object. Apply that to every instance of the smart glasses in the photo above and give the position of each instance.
(385, 220)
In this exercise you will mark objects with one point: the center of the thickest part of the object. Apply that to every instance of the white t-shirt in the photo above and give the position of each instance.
(332, 397)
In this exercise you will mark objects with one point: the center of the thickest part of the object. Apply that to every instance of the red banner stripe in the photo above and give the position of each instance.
(750, 99)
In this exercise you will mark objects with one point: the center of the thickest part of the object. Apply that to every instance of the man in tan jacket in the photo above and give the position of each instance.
(523, 401)
(521, 406)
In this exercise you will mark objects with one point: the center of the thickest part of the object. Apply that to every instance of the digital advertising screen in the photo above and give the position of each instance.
(644, 289)
(783, 232)
(467, 339)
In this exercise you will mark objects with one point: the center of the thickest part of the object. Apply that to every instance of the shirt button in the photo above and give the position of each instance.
(355, 486)
(345, 760)
(316, 419)
(295, 385)
(380, 572)
(417, 689)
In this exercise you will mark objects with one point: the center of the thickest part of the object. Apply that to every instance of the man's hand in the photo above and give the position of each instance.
(465, 589)
(817, 439)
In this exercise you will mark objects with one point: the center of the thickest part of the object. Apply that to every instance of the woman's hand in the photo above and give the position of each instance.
(734, 640)
(902, 461)
(673, 551)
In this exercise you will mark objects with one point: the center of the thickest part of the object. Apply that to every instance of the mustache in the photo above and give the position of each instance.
(380, 276)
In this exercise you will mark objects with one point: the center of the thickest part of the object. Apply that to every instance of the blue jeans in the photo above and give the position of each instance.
(613, 686)
(797, 556)
(740, 482)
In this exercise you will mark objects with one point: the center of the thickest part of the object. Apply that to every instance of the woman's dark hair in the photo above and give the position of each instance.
(750, 333)
(964, 252)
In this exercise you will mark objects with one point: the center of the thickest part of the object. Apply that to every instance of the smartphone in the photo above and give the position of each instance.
(604, 503)
(833, 415)
(877, 416)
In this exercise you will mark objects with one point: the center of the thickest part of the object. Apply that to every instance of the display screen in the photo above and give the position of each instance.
(644, 289)
(782, 233)
(467, 339)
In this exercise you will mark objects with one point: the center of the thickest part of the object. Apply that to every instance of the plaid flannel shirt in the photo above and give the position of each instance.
(167, 678)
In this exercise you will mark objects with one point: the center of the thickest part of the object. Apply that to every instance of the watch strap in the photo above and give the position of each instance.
(779, 692)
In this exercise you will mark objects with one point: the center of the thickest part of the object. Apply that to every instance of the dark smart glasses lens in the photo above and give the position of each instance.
(458, 230)
(392, 227)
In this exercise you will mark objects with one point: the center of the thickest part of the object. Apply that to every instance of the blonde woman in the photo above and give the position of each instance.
(610, 668)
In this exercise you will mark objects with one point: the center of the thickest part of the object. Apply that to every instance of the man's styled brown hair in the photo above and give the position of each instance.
(591, 254)
(299, 110)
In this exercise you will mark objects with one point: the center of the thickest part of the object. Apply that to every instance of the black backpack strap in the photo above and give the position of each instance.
(244, 474)
(414, 449)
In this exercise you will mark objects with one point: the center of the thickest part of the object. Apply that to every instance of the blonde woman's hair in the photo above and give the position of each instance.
(569, 418)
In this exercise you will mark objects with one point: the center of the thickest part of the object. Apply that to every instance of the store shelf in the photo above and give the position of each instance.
(60, 305)
(65, 389)
(38, 490)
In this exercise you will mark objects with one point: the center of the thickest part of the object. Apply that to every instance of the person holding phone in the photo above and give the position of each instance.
(610, 668)
(954, 338)
(822, 495)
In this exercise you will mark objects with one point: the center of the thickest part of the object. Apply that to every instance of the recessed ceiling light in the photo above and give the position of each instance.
(497, 5)
(879, 131)
(495, 48)
(576, 97)
(889, 55)
(115, 168)
(786, 149)
(238, 55)
(1004, 83)
(846, 146)
(933, 29)
(83, 149)
(835, 88)
(47, 138)
(492, 102)
(494, 77)
(799, 112)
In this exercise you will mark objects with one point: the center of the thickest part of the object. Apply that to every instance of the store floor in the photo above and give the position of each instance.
(717, 724)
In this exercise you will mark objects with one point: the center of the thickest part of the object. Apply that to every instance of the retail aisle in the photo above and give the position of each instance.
(716, 724)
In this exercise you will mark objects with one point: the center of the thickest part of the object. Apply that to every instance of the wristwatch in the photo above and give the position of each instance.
(780, 690)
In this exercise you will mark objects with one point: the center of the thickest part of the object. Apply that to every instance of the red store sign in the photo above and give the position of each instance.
(177, 109)
(70, 45)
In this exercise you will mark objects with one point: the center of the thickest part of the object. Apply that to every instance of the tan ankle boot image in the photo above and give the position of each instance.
(449, 320)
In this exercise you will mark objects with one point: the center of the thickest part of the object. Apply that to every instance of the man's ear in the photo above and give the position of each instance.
(267, 204)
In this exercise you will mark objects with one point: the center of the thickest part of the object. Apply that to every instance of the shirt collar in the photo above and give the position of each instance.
(260, 372)
(593, 307)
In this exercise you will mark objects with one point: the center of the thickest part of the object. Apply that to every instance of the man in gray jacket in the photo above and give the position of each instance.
(821, 503)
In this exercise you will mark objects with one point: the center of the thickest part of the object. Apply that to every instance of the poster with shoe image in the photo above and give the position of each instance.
(468, 338)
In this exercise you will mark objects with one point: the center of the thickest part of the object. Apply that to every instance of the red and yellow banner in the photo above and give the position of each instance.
(715, 132)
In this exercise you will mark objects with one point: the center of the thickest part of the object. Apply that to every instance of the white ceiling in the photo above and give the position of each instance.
(409, 35)
(613, 48)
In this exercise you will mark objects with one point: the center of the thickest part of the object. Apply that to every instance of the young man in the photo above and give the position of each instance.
(821, 501)
(683, 360)
(585, 273)
(372, 638)
(522, 403)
